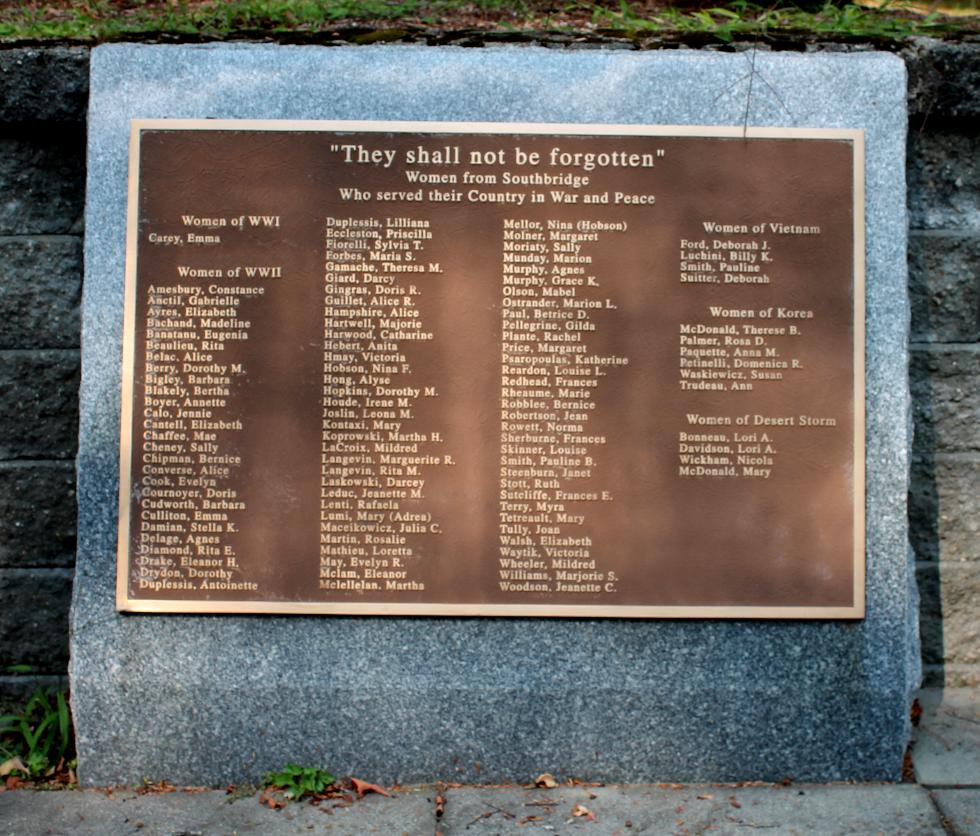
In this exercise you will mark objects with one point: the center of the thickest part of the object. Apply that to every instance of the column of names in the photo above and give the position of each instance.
(375, 451)
(551, 447)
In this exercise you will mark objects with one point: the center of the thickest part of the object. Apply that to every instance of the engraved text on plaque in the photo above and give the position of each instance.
(389, 368)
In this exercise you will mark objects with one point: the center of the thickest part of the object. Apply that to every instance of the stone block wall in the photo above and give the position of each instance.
(43, 96)
(944, 284)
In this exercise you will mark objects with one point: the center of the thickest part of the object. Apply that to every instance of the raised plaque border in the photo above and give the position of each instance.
(125, 603)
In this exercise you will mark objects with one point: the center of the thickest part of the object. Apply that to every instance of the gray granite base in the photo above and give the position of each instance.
(212, 699)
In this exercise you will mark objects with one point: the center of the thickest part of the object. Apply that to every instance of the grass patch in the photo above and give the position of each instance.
(745, 19)
(91, 21)
(36, 740)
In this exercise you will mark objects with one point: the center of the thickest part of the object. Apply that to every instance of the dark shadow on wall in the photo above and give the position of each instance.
(42, 176)
(944, 290)
(923, 496)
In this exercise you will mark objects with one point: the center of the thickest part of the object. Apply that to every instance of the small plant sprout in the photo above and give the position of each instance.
(299, 781)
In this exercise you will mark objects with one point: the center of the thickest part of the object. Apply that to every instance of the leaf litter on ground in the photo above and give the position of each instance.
(583, 812)
(58, 777)
(341, 791)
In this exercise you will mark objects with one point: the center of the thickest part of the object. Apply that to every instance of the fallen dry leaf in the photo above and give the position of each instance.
(706, 798)
(545, 781)
(581, 811)
(271, 802)
(734, 803)
(529, 819)
(578, 782)
(336, 790)
(440, 805)
(342, 800)
(908, 767)
(363, 787)
(9, 766)
(157, 788)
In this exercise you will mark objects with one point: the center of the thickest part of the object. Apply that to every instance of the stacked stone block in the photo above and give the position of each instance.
(944, 284)
(43, 97)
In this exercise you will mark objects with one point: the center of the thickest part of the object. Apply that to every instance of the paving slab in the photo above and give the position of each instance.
(625, 810)
(961, 809)
(481, 811)
(209, 813)
(946, 744)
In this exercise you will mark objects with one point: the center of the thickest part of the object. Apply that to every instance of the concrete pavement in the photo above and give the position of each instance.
(945, 799)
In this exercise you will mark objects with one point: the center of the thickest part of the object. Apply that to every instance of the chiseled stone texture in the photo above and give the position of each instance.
(946, 398)
(37, 514)
(43, 85)
(945, 523)
(205, 699)
(944, 286)
(944, 178)
(950, 603)
(42, 180)
(40, 292)
(944, 264)
(944, 79)
(33, 618)
(38, 404)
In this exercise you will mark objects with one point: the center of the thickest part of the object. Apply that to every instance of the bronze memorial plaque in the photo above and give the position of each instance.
(493, 369)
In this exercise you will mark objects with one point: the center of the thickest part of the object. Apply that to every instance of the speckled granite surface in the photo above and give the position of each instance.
(208, 699)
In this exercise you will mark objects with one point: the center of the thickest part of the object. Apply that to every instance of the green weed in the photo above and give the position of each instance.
(39, 736)
(298, 781)
(102, 20)
(743, 18)
(107, 20)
